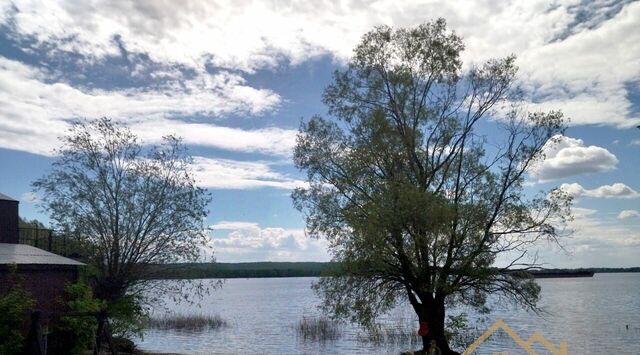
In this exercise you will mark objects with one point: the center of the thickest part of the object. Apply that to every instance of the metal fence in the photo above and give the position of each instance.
(48, 240)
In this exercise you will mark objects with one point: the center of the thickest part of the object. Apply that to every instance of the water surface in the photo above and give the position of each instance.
(591, 314)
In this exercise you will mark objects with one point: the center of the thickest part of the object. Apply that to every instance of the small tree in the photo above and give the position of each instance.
(131, 206)
(417, 202)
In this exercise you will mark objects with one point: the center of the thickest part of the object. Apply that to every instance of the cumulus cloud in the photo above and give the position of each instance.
(35, 111)
(597, 240)
(247, 35)
(617, 190)
(247, 241)
(628, 214)
(587, 73)
(591, 232)
(271, 140)
(575, 56)
(567, 156)
(234, 174)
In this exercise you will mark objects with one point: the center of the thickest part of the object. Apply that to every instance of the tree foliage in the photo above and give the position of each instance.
(131, 205)
(15, 304)
(416, 180)
(76, 334)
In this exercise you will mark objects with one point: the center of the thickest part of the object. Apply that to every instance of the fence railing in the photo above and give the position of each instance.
(48, 240)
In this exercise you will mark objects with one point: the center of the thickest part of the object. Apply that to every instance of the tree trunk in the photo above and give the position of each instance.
(434, 315)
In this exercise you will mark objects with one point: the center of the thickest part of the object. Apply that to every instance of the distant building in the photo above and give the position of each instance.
(45, 274)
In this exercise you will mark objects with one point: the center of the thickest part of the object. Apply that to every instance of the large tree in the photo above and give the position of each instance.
(416, 180)
(130, 205)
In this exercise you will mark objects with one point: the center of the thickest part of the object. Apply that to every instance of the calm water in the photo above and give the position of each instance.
(591, 314)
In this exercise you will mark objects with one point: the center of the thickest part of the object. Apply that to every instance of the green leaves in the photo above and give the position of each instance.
(15, 305)
(80, 331)
(129, 204)
(415, 198)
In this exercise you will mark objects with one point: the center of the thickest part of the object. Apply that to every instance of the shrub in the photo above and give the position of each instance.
(14, 307)
(127, 316)
(75, 334)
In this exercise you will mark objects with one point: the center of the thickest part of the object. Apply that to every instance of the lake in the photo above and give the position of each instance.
(591, 314)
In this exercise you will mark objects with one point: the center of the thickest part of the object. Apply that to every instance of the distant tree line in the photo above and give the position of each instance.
(242, 270)
(307, 269)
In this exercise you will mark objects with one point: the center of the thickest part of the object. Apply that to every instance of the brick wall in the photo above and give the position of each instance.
(46, 283)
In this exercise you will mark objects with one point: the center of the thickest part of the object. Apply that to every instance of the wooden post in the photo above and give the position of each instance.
(96, 349)
(35, 343)
(104, 331)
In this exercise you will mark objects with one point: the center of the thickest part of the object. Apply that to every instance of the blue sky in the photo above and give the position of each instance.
(235, 79)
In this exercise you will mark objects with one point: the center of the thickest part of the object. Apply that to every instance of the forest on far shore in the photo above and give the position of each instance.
(306, 269)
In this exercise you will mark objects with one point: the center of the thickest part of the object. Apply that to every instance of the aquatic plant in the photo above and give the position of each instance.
(394, 333)
(196, 322)
(318, 329)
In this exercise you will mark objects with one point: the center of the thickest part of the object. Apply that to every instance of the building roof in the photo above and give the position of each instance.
(22, 254)
(6, 198)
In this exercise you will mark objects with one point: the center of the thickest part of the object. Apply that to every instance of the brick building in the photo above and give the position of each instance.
(44, 274)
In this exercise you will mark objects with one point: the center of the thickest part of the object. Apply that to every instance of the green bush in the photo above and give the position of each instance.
(14, 308)
(127, 316)
(75, 334)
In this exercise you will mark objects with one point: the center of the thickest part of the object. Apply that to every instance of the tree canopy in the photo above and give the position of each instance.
(131, 205)
(417, 179)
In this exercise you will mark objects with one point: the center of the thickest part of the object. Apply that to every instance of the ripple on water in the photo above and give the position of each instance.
(589, 313)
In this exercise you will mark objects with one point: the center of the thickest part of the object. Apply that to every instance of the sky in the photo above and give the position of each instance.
(235, 78)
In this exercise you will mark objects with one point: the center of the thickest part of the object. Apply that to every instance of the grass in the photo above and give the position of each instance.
(318, 329)
(323, 329)
(196, 322)
(398, 333)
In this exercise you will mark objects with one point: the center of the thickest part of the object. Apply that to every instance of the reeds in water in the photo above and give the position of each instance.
(197, 322)
(398, 333)
(318, 329)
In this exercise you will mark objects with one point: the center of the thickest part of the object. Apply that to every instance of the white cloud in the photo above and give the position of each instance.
(271, 140)
(567, 156)
(581, 212)
(617, 190)
(598, 106)
(597, 240)
(586, 73)
(234, 174)
(635, 142)
(34, 112)
(247, 241)
(231, 225)
(255, 34)
(29, 197)
(594, 232)
(574, 56)
(628, 214)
